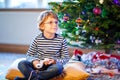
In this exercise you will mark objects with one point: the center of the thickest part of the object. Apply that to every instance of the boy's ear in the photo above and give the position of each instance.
(41, 27)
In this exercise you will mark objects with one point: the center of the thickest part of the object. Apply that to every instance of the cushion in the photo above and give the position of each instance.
(12, 73)
(75, 71)
(72, 71)
(13, 70)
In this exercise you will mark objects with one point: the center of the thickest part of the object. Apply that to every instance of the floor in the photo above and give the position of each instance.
(6, 59)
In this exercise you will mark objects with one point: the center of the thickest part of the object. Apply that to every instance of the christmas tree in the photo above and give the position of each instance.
(89, 23)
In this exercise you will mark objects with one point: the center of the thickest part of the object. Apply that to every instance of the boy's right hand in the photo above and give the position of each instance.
(35, 62)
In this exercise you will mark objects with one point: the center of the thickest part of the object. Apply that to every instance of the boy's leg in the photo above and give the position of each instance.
(19, 78)
(26, 68)
(52, 71)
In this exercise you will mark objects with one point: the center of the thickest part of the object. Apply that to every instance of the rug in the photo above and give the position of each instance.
(6, 59)
(3, 69)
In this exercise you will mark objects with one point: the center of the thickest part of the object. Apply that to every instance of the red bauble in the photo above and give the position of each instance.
(78, 21)
(97, 11)
(96, 28)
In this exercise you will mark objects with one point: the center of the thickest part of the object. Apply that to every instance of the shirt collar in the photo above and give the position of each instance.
(48, 38)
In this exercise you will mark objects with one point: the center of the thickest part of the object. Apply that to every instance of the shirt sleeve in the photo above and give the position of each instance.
(64, 53)
(32, 51)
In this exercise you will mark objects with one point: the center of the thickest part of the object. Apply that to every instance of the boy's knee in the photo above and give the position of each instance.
(59, 68)
(22, 63)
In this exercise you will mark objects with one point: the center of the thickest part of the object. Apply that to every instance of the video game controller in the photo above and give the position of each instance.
(40, 65)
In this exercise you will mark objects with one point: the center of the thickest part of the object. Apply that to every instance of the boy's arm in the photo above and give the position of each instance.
(31, 54)
(64, 53)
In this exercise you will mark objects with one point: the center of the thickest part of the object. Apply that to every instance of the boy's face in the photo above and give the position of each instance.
(50, 26)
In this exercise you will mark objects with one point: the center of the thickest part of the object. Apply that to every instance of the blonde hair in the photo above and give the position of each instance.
(44, 16)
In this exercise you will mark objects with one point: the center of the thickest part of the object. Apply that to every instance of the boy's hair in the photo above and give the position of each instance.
(43, 16)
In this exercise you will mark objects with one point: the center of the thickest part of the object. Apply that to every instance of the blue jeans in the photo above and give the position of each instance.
(51, 71)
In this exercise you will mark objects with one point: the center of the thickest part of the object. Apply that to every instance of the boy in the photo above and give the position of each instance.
(47, 45)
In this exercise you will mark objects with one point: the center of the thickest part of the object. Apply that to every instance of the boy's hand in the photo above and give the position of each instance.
(35, 62)
(49, 61)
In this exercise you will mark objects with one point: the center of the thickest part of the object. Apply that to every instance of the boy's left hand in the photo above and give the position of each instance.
(52, 61)
(49, 61)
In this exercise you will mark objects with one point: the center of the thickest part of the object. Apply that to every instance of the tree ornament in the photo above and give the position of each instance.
(84, 26)
(101, 1)
(98, 41)
(65, 17)
(78, 21)
(83, 32)
(118, 41)
(97, 10)
(96, 28)
(83, 12)
(92, 38)
(116, 2)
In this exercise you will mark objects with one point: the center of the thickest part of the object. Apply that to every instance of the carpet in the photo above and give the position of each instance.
(3, 69)
(6, 59)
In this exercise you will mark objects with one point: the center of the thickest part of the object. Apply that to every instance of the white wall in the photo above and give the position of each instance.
(18, 27)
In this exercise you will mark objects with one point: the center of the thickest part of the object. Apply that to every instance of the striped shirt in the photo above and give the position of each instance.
(42, 47)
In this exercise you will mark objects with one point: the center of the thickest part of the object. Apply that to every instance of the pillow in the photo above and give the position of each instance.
(13, 70)
(12, 73)
(73, 71)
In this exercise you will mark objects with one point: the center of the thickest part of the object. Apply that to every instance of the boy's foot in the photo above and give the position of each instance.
(19, 78)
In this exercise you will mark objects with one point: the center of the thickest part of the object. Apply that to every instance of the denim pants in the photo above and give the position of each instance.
(26, 68)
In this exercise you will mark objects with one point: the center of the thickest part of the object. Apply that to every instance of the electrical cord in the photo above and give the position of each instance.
(30, 75)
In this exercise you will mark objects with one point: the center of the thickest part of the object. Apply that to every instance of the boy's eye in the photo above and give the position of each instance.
(51, 22)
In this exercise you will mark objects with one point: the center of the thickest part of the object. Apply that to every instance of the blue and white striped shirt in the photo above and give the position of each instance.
(42, 47)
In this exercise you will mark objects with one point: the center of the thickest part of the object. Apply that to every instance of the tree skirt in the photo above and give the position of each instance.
(104, 76)
(101, 66)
